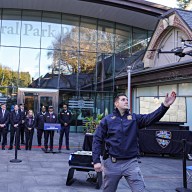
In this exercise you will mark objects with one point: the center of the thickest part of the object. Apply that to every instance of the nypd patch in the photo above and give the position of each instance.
(163, 134)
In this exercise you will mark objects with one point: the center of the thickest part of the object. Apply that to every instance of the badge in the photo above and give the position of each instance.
(163, 134)
(113, 159)
(53, 116)
(129, 117)
(113, 117)
(67, 113)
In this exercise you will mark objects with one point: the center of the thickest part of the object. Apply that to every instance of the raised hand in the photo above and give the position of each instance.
(169, 99)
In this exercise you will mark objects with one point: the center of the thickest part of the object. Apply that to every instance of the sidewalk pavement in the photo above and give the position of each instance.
(47, 172)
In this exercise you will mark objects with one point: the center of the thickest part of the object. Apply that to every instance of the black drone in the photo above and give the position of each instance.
(178, 51)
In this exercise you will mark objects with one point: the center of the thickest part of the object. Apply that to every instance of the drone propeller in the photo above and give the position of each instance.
(178, 51)
(183, 40)
(175, 50)
(188, 53)
(153, 50)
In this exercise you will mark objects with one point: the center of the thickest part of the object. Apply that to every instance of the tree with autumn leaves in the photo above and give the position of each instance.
(64, 51)
(10, 78)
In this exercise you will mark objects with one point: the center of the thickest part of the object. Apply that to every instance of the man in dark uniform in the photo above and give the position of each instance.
(22, 126)
(15, 120)
(4, 122)
(40, 120)
(65, 120)
(50, 117)
(119, 131)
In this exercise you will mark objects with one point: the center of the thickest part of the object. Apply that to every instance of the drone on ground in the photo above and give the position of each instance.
(178, 51)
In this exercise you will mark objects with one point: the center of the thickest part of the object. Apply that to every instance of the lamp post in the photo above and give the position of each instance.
(184, 188)
(129, 86)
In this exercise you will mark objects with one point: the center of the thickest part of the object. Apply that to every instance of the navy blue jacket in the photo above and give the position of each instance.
(40, 120)
(4, 119)
(50, 119)
(23, 114)
(15, 118)
(120, 133)
(65, 117)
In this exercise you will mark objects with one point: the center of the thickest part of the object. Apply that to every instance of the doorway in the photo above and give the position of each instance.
(36, 98)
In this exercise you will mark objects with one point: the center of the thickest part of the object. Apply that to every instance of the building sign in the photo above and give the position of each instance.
(52, 126)
(31, 29)
(79, 104)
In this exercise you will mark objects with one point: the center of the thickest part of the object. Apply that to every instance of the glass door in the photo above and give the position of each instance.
(31, 102)
(36, 98)
(46, 101)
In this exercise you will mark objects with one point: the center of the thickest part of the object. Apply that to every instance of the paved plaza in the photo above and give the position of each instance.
(47, 172)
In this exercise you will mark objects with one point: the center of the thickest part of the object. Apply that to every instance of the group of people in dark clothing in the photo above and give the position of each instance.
(24, 122)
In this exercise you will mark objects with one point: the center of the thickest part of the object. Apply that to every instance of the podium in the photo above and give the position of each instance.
(51, 127)
(82, 161)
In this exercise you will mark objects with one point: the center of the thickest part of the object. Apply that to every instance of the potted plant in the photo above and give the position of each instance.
(91, 123)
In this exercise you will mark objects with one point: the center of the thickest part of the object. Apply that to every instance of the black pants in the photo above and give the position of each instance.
(22, 130)
(62, 131)
(47, 134)
(3, 133)
(28, 138)
(15, 133)
(39, 135)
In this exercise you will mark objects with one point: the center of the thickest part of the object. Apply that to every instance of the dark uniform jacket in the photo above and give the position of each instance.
(40, 120)
(50, 118)
(4, 119)
(15, 119)
(23, 114)
(65, 117)
(120, 133)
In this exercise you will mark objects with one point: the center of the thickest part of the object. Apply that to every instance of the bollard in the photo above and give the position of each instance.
(184, 188)
(16, 144)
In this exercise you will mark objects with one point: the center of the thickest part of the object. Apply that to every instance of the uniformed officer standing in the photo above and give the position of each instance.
(119, 131)
(4, 122)
(40, 120)
(23, 113)
(30, 123)
(15, 120)
(65, 120)
(50, 117)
